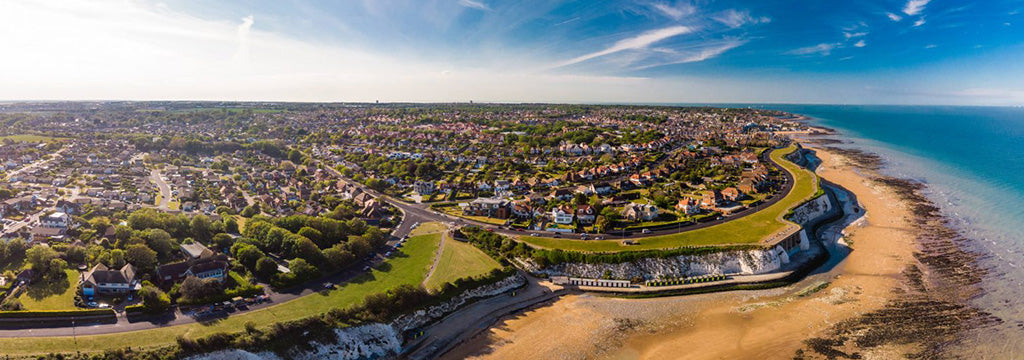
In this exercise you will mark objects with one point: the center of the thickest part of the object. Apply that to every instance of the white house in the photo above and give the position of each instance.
(562, 215)
(56, 220)
(102, 280)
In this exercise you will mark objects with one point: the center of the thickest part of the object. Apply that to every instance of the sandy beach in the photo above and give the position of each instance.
(803, 320)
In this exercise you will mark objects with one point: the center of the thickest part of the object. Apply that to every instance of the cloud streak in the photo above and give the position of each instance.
(474, 4)
(676, 12)
(705, 53)
(734, 18)
(824, 49)
(637, 42)
(915, 7)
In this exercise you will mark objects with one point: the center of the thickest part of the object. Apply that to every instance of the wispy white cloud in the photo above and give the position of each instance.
(823, 49)
(474, 4)
(860, 44)
(677, 11)
(851, 35)
(893, 16)
(915, 7)
(702, 54)
(919, 22)
(735, 18)
(637, 42)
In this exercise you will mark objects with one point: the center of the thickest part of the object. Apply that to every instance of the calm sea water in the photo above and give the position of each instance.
(972, 159)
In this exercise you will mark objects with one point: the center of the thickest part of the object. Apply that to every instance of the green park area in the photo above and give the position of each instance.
(750, 229)
(459, 260)
(407, 266)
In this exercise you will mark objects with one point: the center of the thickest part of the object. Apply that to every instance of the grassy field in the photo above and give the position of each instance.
(51, 295)
(747, 230)
(31, 138)
(459, 260)
(407, 266)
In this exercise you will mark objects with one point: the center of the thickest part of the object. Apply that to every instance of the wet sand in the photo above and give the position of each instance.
(866, 305)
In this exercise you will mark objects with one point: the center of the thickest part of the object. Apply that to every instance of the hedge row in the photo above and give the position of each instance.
(35, 314)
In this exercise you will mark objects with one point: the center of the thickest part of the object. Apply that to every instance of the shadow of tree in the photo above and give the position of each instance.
(46, 287)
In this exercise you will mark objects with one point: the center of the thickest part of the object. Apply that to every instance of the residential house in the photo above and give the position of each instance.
(640, 212)
(585, 214)
(562, 215)
(489, 207)
(712, 199)
(56, 220)
(105, 281)
(688, 206)
(732, 194)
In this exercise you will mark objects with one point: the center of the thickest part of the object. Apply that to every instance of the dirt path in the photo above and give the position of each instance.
(437, 257)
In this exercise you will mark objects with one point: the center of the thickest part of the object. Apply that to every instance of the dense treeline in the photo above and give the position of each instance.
(312, 243)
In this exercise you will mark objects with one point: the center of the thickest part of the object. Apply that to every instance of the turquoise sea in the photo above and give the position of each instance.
(972, 160)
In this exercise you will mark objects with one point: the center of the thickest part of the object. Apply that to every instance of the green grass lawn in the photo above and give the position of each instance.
(407, 266)
(51, 295)
(750, 229)
(31, 138)
(459, 260)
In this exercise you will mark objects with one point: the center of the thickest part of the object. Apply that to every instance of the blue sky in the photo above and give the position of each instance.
(878, 52)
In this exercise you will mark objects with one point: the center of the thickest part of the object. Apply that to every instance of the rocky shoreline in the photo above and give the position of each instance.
(930, 311)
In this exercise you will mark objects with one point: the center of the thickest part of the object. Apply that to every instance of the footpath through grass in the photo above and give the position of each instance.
(407, 266)
(751, 229)
(459, 260)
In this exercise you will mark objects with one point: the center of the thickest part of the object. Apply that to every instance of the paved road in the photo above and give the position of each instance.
(165, 189)
(37, 163)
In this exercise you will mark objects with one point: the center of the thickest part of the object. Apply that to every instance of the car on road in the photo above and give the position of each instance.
(534, 234)
(645, 231)
(92, 304)
(598, 238)
(328, 286)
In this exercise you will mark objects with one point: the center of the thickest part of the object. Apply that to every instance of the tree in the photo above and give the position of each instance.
(312, 234)
(122, 232)
(39, 257)
(55, 270)
(231, 225)
(302, 269)
(142, 257)
(100, 224)
(265, 268)
(602, 224)
(160, 241)
(248, 254)
(201, 228)
(154, 300)
(222, 241)
(195, 289)
(250, 211)
(338, 257)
